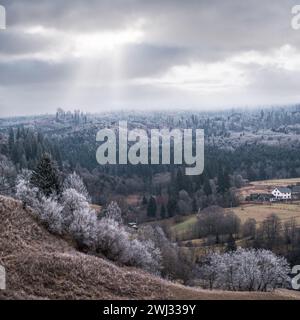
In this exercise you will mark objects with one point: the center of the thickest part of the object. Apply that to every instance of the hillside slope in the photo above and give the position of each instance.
(42, 266)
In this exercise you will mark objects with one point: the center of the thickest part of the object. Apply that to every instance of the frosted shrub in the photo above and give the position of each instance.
(72, 202)
(71, 214)
(112, 239)
(25, 192)
(115, 242)
(74, 181)
(144, 255)
(83, 228)
(114, 212)
(50, 214)
(245, 270)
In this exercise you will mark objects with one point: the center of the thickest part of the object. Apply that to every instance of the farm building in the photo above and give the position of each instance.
(282, 193)
(260, 197)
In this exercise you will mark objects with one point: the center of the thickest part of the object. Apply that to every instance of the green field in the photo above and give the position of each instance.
(185, 230)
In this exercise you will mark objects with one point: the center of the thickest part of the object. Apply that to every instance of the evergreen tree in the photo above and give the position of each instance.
(231, 245)
(144, 201)
(179, 180)
(152, 207)
(207, 187)
(18, 133)
(262, 172)
(163, 211)
(195, 206)
(223, 180)
(46, 176)
(172, 207)
(11, 139)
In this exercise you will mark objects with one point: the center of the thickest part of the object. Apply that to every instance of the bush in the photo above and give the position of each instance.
(115, 242)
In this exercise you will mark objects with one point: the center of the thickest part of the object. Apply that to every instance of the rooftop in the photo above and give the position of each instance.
(284, 190)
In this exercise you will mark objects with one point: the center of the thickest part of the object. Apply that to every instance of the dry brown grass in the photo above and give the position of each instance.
(260, 212)
(42, 266)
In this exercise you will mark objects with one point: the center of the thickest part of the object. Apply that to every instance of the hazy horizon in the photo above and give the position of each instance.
(101, 56)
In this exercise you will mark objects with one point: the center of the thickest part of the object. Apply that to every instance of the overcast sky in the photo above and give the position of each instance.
(99, 55)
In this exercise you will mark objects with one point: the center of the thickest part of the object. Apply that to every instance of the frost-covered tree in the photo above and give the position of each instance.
(245, 270)
(7, 176)
(114, 212)
(78, 219)
(144, 255)
(112, 239)
(25, 192)
(50, 214)
(83, 228)
(74, 181)
(72, 202)
(208, 272)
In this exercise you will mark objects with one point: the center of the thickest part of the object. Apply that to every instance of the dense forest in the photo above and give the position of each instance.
(240, 145)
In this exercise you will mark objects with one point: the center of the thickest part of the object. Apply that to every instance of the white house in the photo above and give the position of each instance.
(282, 193)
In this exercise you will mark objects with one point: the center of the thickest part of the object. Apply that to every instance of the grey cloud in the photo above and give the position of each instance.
(207, 28)
(13, 42)
(145, 60)
(30, 72)
(176, 32)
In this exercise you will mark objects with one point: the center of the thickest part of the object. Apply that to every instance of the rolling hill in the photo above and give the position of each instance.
(42, 266)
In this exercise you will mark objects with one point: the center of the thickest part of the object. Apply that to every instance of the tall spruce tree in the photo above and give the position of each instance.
(172, 207)
(223, 180)
(163, 211)
(152, 207)
(206, 187)
(11, 140)
(231, 245)
(144, 201)
(46, 176)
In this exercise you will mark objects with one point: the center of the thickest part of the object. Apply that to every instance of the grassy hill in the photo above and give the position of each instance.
(42, 266)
